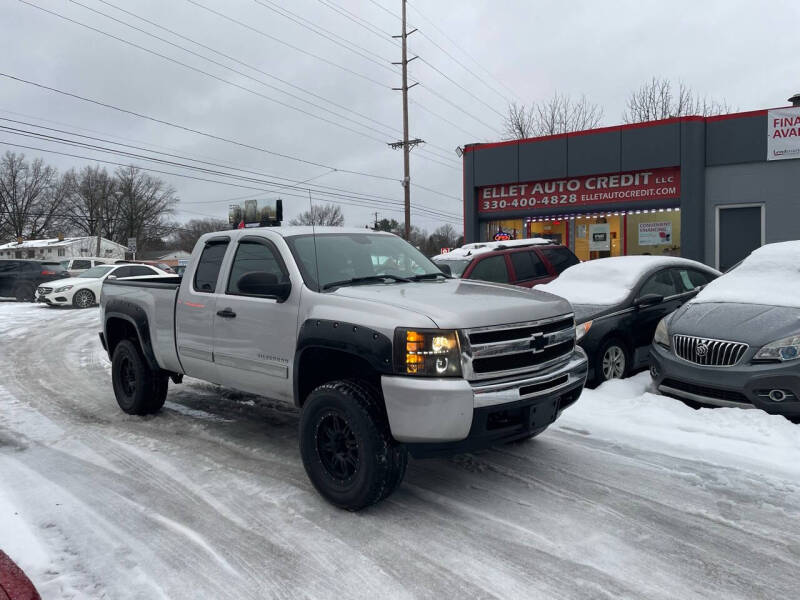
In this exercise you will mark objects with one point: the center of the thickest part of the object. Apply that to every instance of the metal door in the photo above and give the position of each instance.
(740, 230)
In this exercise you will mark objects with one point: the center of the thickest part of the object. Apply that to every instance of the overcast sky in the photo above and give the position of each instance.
(743, 52)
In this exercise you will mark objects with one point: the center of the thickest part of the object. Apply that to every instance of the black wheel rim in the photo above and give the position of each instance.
(337, 446)
(127, 377)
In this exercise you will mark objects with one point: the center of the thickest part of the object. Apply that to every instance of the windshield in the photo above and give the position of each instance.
(346, 256)
(457, 267)
(95, 272)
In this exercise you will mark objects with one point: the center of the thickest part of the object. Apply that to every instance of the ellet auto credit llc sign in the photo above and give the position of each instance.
(783, 133)
(558, 194)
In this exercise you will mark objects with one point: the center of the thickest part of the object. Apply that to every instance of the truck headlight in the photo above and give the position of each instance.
(785, 349)
(581, 330)
(427, 352)
(661, 336)
(63, 289)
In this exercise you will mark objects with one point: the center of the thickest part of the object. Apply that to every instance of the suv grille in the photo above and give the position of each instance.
(708, 352)
(520, 348)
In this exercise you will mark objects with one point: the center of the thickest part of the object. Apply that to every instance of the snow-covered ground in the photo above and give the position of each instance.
(628, 495)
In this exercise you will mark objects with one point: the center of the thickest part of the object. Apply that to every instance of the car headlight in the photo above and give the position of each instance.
(427, 352)
(661, 336)
(785, 349)
(63, 288)
(582, 329)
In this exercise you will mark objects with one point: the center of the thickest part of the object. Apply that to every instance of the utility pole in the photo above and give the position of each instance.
(406, 144)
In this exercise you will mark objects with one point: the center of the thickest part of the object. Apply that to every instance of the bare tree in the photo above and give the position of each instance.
(186, 235)
(519, 123)
(562, 114)
(145, 203)
(31, 194)
(559, 114)
(322, 215)
(93, 203)
(657, 99)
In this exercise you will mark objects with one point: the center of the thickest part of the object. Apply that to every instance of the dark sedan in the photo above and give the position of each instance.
(619, 302)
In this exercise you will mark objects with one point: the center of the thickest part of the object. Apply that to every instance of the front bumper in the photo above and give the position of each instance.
(53, 299)
(745, 385)
(447, 416)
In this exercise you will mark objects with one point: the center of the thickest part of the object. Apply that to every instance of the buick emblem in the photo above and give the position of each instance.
(701, 350)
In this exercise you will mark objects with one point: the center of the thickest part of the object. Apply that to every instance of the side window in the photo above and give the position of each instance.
(99, 262)
(698, 279)
(8, 267)
(121, 272)
(527, 265)
(661, 283)
(560, 258)
(205, 277)
(256, 257)
(82, 264)
(138, 271)
(491, 268)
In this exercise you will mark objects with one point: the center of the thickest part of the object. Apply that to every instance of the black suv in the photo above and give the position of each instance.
(20, 278)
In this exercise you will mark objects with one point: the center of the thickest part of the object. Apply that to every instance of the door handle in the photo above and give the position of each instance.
(226, 313)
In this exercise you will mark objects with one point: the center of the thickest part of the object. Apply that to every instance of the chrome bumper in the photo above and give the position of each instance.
(441, 410)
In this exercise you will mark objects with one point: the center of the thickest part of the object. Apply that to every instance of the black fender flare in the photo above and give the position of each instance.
(364, 343)
(137, 317)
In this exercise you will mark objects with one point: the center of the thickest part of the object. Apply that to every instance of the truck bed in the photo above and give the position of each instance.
(156, 296)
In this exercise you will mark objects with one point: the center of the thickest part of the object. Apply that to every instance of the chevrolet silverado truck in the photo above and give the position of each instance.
(382, 352)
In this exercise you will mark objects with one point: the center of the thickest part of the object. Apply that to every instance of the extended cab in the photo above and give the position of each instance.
(382, 352)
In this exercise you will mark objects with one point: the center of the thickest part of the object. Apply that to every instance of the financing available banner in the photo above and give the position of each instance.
(655, 234)
(783, 133)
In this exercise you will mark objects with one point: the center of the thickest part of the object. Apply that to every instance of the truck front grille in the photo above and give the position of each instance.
(519, 348)
(708, 352)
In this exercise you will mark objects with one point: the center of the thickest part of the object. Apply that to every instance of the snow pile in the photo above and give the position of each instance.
(770, 275)
(476, 248)
(607, 281)
(626, 411)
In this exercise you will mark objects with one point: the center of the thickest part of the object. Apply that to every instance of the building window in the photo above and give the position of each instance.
(31, 253)
(62, 252)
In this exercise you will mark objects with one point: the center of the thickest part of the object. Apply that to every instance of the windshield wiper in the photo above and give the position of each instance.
(367, 279)
(428, 276)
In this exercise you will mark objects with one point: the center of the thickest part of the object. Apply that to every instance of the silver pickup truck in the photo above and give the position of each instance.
(382, 352)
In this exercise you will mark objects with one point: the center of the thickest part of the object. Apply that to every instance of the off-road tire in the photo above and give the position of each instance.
(83, 299)
(599, 375)
(25, 292)
(376, 464)
(139, 389)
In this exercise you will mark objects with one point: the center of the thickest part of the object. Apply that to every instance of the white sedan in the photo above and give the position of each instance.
(84, 291)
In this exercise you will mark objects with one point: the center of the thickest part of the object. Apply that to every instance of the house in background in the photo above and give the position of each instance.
(60, 249)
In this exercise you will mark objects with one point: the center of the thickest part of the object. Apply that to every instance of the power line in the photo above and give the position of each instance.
(292, 46)
(321, 189)
(445, 156)
(326, 34)
(455, 44)
(211, 75)
(335, 198)
(202, 133)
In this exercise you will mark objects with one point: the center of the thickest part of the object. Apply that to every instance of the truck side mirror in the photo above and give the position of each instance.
(445, 268)
(264, 285)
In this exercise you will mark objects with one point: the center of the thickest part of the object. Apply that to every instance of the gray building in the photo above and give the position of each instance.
(707, 188)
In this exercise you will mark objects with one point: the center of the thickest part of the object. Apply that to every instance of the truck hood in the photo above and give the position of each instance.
(461, 303)
(753, 324)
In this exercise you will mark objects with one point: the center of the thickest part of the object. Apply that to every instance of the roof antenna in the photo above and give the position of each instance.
(314, 236)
